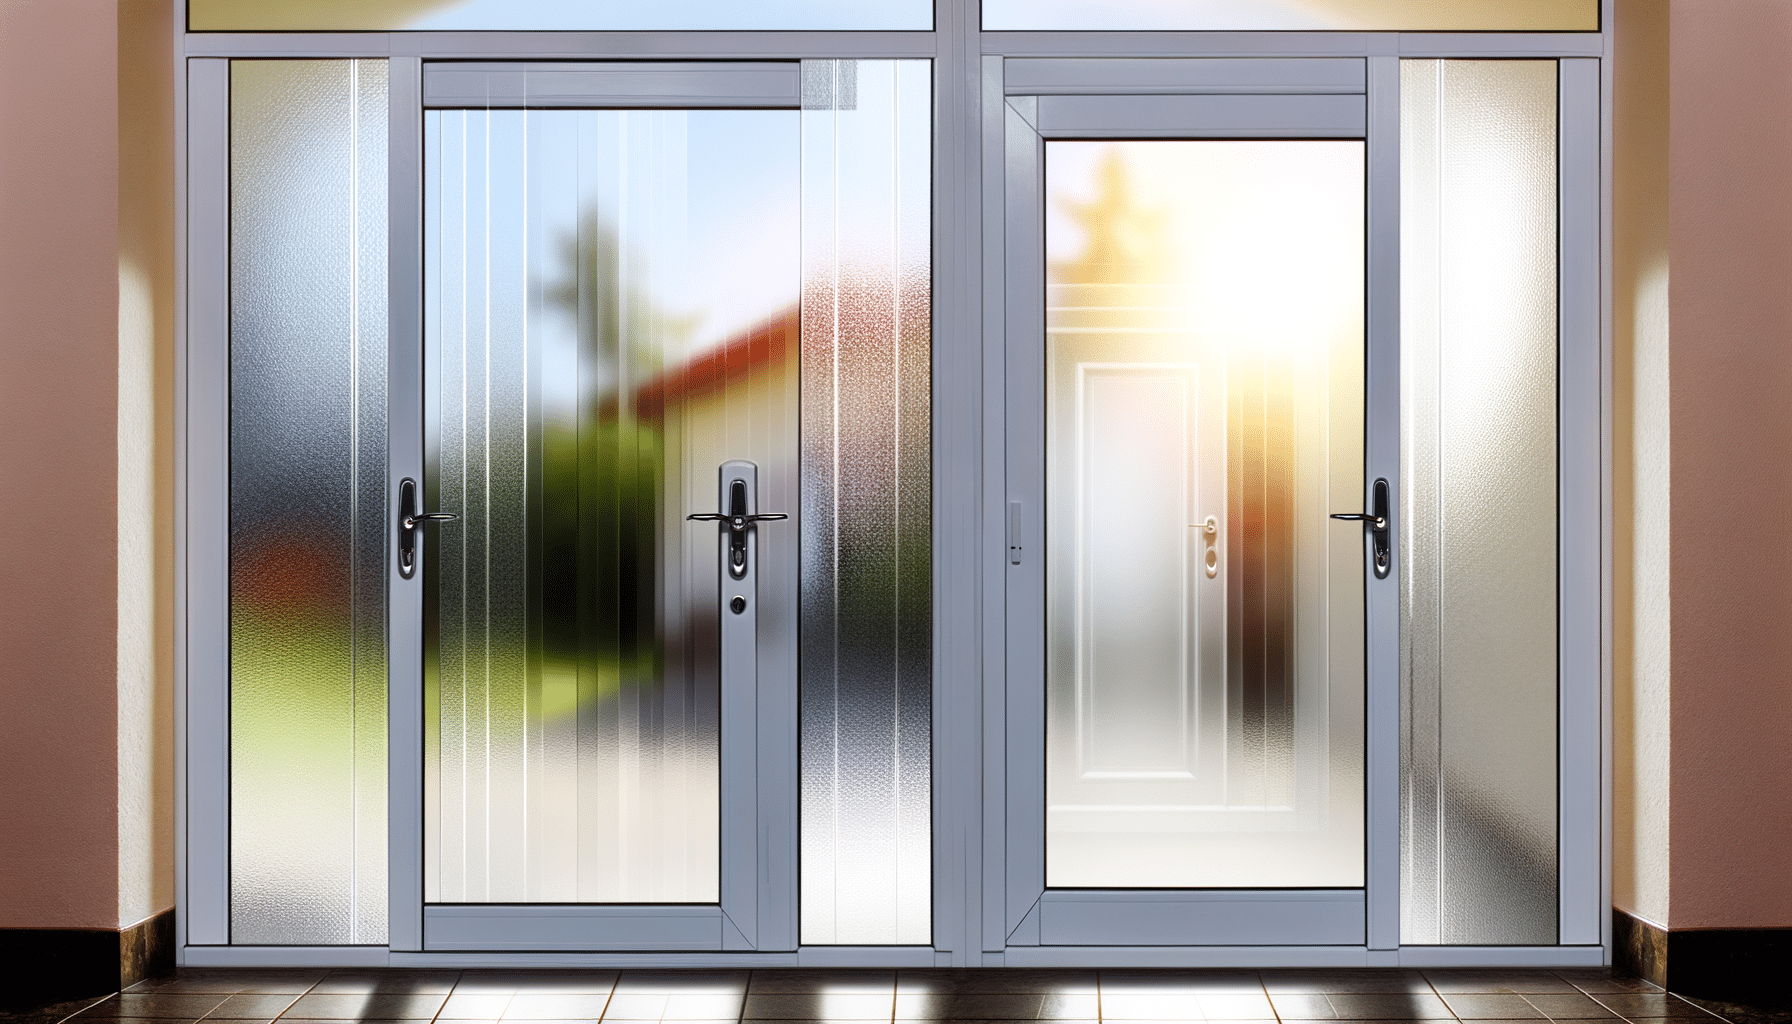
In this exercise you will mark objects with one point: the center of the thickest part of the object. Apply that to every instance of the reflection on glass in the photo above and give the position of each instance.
(552, 15)
(611, 313)
(1204, 414)
(1295, 15)
(307, 502)
(1478, 508)
(867, 626)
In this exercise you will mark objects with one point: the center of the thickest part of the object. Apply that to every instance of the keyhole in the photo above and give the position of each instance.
(738, 605)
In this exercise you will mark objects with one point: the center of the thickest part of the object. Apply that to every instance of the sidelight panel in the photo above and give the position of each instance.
(867, 625)
(1478, 512)
(308, 502)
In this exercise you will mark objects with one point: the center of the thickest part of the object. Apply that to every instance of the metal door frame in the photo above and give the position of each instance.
(969, 468)
(1035, 100)
(1259, 98)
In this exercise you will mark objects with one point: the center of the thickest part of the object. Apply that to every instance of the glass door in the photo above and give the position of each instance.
(1186, 396)
(610, 350)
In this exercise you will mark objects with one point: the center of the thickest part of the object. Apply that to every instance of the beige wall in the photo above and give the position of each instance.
(1641, 461)
(1730, 215)
(85, 768)
(1703, 462)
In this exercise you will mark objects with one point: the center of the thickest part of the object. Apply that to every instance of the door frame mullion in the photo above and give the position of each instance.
(404, 444)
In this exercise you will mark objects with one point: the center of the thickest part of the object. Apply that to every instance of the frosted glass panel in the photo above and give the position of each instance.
(1204, 332)
(611, 312)
(1478, 501)
(1295, 15)
(307, 502)
(552, 15)
(867, 634)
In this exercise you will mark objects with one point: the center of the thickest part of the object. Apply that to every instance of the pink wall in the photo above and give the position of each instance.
(58, 463)
(1730, 219)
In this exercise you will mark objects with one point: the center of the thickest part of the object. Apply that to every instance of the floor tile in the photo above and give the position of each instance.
(366, 1006)
(1493, 982)
(1605, 981)
(819, 1005)
(474, 1005)
(1388, 1006)
(1650, 1004)
(1572, 1006)
(1375, 980)
(365, 1020)
(155, 1005)
(1012, 979)
(1154, 1020)
(245, 1005)
(540, 982)
(1492, 1006)
(1183, 981)
(797, 981)
(997, 1005)
(1235, 1006)
(681, 981)
(559, 1005)
(1302, 1006)
(1136, 1005)
(394, 980)
(189, 979)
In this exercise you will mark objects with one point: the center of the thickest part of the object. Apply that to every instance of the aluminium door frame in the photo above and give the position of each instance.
(968, 472)
(1583, 468)
(1306, 98)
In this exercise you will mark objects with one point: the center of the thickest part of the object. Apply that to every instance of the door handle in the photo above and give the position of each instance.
(737, 520)
(409, 522)
(1378, 522)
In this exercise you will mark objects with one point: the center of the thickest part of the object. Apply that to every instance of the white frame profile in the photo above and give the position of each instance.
(971, 757)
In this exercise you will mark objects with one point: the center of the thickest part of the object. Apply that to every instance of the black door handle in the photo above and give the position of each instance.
(1377, 522)
(409, 522)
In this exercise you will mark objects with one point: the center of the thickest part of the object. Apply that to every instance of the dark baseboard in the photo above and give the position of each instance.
(45, 965)
(1734, 964)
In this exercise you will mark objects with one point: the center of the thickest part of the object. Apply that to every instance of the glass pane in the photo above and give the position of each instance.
(553, 15)
(1478, 451)
(1295, 15)
(611, 304)
(1204, 414)
(867, 625)
(307, 502)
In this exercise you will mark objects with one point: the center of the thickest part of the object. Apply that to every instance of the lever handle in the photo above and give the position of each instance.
(1377, 523)
(409, 522)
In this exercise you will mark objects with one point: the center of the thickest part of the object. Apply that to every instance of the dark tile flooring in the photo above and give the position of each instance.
(246, 996)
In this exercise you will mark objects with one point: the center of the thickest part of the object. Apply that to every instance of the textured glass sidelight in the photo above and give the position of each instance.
(307, 502)
(867, 636)
(1294, 15)
(553, 15)
(1204, 333)
(611, 312)
(1478, 502)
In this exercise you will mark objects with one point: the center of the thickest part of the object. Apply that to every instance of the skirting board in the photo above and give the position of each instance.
(49, 964)
(1715, 963)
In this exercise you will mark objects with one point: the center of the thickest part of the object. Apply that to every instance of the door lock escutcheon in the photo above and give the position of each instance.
(409, 522)
(1378, 521)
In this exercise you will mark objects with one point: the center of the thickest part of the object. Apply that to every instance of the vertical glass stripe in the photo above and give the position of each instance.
(1478, 523)
(866, 643)
(307, 502)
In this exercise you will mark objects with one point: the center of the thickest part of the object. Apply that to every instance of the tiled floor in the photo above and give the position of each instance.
(990, 995)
